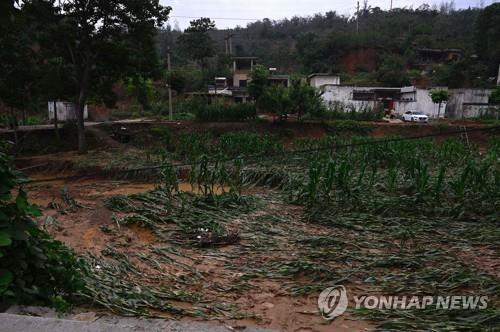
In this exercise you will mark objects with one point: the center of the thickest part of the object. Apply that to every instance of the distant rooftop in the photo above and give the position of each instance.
(321, 74)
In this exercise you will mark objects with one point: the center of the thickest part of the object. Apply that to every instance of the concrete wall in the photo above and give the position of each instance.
(319, 81)
(65, 111)
(463, 103)
(467, 103)
(237, 77)
(341, 96)
(413, 99)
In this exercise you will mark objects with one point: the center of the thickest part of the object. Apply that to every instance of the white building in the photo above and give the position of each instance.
(318, 80)
(469, 103)
(66, 111)
(415, 99)
(463, 103)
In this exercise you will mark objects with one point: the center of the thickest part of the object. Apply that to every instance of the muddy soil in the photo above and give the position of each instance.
(91, 228)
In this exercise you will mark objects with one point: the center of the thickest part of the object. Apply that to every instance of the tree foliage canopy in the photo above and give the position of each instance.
(196, 43)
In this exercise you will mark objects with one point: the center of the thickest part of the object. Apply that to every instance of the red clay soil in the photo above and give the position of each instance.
(366, 57)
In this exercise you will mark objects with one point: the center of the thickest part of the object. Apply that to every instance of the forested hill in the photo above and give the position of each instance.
(383, 50)
(315, 43)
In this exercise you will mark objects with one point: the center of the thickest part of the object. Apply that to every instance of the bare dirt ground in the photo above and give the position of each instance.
(265, 304)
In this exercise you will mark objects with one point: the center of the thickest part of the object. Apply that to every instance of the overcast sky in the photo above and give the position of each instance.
(220, 10)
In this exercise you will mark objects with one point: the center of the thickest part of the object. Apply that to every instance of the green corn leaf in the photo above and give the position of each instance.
(5, 239)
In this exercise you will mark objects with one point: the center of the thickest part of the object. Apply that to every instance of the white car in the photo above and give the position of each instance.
(415, 116)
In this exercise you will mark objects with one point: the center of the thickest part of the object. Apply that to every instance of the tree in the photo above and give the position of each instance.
(304, 98)
(257, 82)
(495, 99)
(196, 43)
(177, 80)
(276, 100)
(487, 36)
(18, 55)
(439, 96)
(107, 38)
(392, 72)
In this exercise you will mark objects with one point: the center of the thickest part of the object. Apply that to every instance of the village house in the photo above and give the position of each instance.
(463, 103)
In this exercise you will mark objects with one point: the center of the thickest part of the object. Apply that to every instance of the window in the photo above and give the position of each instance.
(243, 83)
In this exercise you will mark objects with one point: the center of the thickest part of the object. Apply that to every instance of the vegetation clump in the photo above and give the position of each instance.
(34, 268)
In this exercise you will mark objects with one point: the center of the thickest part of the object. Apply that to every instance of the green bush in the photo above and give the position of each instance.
(34, 120)
(217, 111)
(34, 268)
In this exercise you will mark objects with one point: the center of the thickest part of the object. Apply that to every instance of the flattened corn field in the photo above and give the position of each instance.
(252, 240)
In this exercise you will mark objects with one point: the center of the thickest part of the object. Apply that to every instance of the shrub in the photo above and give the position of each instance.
(34, 268)
(342, 126)
(218, 111)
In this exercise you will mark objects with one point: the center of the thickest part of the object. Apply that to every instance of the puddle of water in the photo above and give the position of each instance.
(130, 189)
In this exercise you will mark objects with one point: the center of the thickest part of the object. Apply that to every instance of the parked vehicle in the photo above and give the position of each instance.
(414, 116)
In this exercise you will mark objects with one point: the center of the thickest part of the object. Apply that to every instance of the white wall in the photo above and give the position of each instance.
(65, 111)
(336, 94)
(467, 103)
(462, 103)
(319, 81)
(413, 99)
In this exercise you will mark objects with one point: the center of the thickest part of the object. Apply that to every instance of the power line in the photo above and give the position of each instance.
(220, 18)
(262, 156)
(249, 19)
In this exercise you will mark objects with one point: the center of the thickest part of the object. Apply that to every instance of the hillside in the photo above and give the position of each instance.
(384, 50)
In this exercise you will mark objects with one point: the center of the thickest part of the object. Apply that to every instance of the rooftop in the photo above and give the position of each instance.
(321, 74)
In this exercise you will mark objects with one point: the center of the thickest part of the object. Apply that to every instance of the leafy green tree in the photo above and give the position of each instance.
(142, 89)
(439, 97)
(495, 99)
(487, 36)
(258, 82)
(34, 269)
(392, 71)
(304, 98)
(107, 38)
(276, 100)
(196, 42)
(17, 60)
(177, 80)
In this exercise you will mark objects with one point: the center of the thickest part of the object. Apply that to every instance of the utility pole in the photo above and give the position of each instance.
(357, 20)
(229, 43)
(170, 111)
(391, 4)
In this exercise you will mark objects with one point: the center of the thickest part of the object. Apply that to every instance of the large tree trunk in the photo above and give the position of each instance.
(80, 107)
